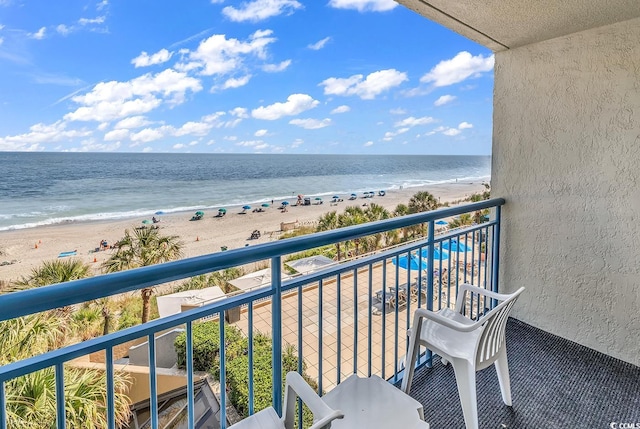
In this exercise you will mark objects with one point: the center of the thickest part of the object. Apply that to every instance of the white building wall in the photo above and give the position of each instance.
(566, 157)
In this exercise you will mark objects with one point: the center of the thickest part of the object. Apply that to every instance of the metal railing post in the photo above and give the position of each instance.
(276, 332)
(495, 257)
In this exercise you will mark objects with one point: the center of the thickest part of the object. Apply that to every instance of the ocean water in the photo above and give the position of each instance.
(48, 188)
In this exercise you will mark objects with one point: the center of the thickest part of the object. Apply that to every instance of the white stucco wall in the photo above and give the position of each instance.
(566, 157)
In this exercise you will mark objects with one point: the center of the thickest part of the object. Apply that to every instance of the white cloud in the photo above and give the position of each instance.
(218, 55)
(459, 68)
(188, 128)
(231, 138)
(389, 135)
(1, 40)
(296, 143)
(295, 104)
(311, 124)
(113, 100)
(87, 21)
(451, 132)
(341, 109)
(116, 135)
(151, 134)
(132, 122)
(447, 131)
(63, 29)
(254, 144)
(364, 5)
(39, 134)
(260, 133)
(91, 145)
(102, 4)
(193, 128)
(274, 68)
(145, 60)
(259, 10)
(178, 146)
(103, 126)
(319, 44)
(398, 111)
(366, 88)
(444, 99)
(367, 144)
(239, 112)
(412, 122)
(194, 143)
(39, 35)
(147, 149)
(236, 82)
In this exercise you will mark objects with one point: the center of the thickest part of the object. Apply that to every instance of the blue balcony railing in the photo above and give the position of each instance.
(349, 318)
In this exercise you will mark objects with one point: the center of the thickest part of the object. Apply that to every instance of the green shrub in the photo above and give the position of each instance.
(206, 357)
(206, 345)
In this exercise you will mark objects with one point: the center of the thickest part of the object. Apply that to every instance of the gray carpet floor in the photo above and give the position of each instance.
(555, 383)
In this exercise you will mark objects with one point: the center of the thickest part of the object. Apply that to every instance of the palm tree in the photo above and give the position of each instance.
(327, 222)
(462, 220)
(422, 202)
(353, 215)
(52, 272)
(375, 212)
(221, 279)
(31, 399)
(143, 248)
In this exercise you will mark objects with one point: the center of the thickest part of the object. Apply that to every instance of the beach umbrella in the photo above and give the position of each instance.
(265, 205)
(246, 207)
(336, 197)
(354, 195)
(146, 222)
(222, 210)
(437, 253)
(442, 222)
(413, 263)
(199, 213)
(318, 199)
(285, 203)
(455, 246)
(159, 212)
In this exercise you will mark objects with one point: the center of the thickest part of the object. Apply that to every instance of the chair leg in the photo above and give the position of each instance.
(466, 381)
(410, 359)
(502, 368)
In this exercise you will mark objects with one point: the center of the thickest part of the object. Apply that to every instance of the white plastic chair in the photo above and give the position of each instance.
(295, 387)
(469, 345)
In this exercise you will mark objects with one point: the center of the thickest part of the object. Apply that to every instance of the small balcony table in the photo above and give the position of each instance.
(374, 403)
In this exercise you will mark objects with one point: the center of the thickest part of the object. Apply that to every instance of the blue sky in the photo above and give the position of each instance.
(255, 76)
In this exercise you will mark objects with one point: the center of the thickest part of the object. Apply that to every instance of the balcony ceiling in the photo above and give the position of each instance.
(508, 24)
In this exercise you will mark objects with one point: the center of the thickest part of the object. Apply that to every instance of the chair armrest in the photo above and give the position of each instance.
(465, 287)
(322, 413)
(423, 313)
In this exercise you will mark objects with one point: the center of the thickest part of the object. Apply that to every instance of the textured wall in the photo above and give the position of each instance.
(566, 156)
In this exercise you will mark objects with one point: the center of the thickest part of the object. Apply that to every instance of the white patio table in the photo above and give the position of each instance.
(374, 403)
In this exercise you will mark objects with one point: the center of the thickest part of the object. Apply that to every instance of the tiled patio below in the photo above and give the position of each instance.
(555, 383)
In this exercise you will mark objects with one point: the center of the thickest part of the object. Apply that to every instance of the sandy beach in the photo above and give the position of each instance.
(28, 248)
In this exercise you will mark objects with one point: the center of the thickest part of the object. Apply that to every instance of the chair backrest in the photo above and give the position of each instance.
(492, 338)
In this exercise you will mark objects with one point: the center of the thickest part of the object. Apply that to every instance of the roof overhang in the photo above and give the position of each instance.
(508, 24)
